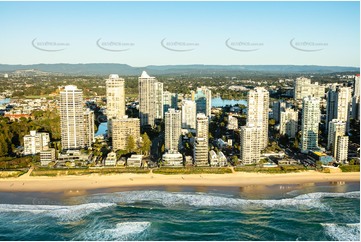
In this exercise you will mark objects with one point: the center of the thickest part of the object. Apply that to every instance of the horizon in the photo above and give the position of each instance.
(108, 63)
(160, 33)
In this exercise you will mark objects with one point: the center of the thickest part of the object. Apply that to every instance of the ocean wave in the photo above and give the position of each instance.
(62, 213)
(122, 231)
(168, 199)
(319, 195)
(342, 232)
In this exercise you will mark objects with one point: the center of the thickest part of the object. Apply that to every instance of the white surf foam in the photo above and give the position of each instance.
(62, 213)
(342, 232)
(122, 231)
(311, 200)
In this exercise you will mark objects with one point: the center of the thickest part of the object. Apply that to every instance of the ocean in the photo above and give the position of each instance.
(324, 211)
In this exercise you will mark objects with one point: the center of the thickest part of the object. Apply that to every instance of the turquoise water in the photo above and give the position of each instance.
(322, 212)
(219, 102)
(102, 129)
(4, 101)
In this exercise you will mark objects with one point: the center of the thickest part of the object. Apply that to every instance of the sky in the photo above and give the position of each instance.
(177, 33)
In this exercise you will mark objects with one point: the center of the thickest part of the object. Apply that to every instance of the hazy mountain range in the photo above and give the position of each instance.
(126, 70)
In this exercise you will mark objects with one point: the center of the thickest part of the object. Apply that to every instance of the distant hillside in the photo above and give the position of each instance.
(126, 70)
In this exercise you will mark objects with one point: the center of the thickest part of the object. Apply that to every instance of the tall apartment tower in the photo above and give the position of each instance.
(289, 123)
(150, 99)
(303, 88)
(115, 99)
(71, 118)
(88, 127)
(356, 98)
(342, 149)
(338, 105)
(115, 96)
(123, 127)
(201, 141)
(189, 114)
(173, 128)
(232, 122)
(170, 100)
(336, 129)
(311, 115)
(250, 147)
(278, 107)
(257, 116)
(203, 99)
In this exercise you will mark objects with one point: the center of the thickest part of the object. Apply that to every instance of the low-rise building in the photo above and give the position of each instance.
(111, 159)
(47, 156)
(35, 142)
(135, 161)
(173, 159)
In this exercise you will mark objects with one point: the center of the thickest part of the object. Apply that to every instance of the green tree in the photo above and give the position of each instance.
(146, 143)
(130, 143)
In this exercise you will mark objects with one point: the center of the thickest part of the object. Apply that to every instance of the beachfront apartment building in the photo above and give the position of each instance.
(311, 115)
(47, 156)
(250, 145)
(115, 94)
(71, 118)
(122, 129)
(289, 122)
(173, 130)
(36, 142)
(342, 149)
(257, 114)
(336, 128)
(200, 153)
(150, 99)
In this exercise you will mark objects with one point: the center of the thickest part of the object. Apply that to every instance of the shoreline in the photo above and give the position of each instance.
(128, 180)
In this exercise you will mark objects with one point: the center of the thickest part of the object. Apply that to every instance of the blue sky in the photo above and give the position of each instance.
(265, 28)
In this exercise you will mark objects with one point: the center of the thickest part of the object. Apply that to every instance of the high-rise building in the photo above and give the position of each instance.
(289, 123)
(115, 96)
(257, 115)
(88, 127)
(188, 114)
(277, 108)
(150, 99)
(336, 128)
(159, 114)
(356, 98)
(303, 88)
(342, 149)
(250, 147)
(173, 128)
(311, 115)
(200, 152)
(71, 118)
(338, 104)
(203, 99)
(201, 141)
(232, 122)
(123, 127)
(36, 142)
(170, 100)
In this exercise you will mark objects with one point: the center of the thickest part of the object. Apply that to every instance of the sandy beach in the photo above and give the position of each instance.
(238, 179)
